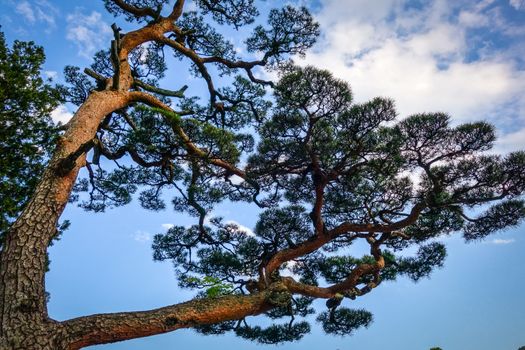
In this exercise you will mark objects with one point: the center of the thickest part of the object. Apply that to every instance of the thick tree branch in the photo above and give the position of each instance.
(115, 56)
(133, 154)
(66, 164)
(350, 283)
(395, 226)
(312, 245)
(246, 65)
(95, 75)
(107, 328)
(233, 64)
(177, 10)
(140, 36)
(170, 93)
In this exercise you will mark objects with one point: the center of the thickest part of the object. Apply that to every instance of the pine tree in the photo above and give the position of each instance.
(325, 171)
(27, 133)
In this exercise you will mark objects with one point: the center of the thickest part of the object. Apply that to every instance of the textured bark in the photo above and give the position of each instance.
(108, 328)
(24, 321)
(320, 240)
(23, 259)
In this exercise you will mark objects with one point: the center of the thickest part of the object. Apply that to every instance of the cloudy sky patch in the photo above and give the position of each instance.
(428, 58)
(142, 236)
(89, 32)
(39, 11)
(500, 241)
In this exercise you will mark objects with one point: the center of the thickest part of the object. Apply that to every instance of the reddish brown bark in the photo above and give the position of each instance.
(24, 321)
(107, 328)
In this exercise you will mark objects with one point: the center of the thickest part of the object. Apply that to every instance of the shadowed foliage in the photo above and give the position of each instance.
(27, 133)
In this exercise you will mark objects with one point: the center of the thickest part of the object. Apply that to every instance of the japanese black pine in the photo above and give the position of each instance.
(326, 172)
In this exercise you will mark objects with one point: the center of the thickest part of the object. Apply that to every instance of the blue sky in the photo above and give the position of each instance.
(461, 57)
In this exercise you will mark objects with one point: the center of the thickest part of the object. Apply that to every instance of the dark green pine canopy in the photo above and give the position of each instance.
(27, 133)
(327, 167)
(325, 171)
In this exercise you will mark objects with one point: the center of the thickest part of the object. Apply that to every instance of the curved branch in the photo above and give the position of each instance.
(348, 284)
(66, 164)
(233, 64)
(133, 154)
(177, 129)
(246, 65)
(95, 75)
(395, 226)
(136, 11)
(189, 145)
(108, 328)
(258, 81)
(171, 93)
(196, 59)
(318, 241)
(177, 10)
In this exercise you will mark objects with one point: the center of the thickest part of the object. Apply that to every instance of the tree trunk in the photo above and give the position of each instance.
(34, 337)
(24, 322)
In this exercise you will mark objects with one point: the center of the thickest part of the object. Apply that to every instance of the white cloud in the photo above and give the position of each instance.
(517, 4)
(61, 115)
(25, 9)
(38, 11)
(513, 141)
(142, 237)
(236, 180)
(89, 32)
(422, 58)
(167, 226)
(473, 19)
(241, 227)
(51, 74)
(499, 241)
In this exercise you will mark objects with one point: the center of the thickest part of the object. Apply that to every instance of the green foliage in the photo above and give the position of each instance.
(232, 12)
(154, 5)
(213, 287)
(325, 171)
(203, 38)
(274, 334)
(428, 257)
(250, 106)
(375, 171)
(281, 228)
(216, 328)
(292, 31)
(79, 88)
(344, 321)
(498, 217)
(27, 133)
